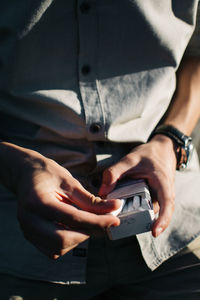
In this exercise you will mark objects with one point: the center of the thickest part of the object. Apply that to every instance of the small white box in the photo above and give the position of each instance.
(136, 212)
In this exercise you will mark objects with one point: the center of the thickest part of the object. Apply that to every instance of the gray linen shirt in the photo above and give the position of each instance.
(83, 82)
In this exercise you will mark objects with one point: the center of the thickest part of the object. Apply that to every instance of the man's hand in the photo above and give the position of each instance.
(155, 162)
(54, 210)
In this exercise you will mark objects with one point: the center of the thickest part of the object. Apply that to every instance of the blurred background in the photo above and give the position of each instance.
(196, 137)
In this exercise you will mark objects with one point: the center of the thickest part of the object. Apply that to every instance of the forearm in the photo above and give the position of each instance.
(48, 200)
(155, 161)
(184, 110)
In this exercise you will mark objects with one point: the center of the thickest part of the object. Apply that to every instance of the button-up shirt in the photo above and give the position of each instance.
(82, 82)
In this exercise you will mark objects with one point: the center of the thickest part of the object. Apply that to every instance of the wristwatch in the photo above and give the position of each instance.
(183, 143)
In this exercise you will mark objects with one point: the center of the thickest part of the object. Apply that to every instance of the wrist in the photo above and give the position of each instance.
(183, 146)
(9, 165)
(15, 161)
(168, 144)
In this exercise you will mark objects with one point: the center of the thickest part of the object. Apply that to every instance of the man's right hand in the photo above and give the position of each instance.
(55, 212)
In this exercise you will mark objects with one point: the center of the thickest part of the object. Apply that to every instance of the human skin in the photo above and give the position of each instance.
(155, 161)
(47, 193)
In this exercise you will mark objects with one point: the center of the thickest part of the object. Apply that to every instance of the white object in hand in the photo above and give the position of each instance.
(136, 202)
(130, 203)
(117, 211)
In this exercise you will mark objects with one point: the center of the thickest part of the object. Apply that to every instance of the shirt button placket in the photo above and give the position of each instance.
(95, 128)
(88, 34)
(86, 69)
(85, 7)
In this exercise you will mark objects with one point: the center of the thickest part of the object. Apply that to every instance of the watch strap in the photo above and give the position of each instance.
(172, 132)
(183, 143)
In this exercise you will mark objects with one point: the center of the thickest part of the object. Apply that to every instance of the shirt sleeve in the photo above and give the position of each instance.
(193, 48)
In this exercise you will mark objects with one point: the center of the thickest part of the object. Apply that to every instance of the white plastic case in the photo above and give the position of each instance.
(136, 212)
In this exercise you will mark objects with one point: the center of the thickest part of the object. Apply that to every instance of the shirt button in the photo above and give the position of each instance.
(85, 7)
(95, 127)
(86, 70)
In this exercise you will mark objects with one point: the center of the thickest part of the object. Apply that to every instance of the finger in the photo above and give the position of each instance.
(156, 207)
(165, 197)
(113, 174)
(50, 253)
(51, 239)
(82, 198)
(52, 209)
(91, 203)
(162, 191)
(165, 215)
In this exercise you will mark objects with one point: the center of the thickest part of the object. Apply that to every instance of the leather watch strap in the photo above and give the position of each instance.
(184, 146)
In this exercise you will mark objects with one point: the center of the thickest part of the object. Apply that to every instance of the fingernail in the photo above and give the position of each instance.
(117, 223)
(55, 256)
(96, 200)
(158, 231)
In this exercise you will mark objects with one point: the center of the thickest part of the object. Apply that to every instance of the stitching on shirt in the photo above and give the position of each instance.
(179, 248)
(158, 260)
(101, 103)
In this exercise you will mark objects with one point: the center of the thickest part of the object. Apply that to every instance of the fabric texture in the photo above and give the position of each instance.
(177, 278)
(83, 85)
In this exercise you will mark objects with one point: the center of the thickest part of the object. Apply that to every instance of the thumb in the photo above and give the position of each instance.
(113, 174)
(109, 180)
